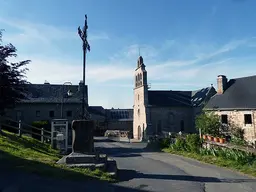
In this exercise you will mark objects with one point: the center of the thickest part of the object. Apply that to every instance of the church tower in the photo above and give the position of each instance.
(140, 101)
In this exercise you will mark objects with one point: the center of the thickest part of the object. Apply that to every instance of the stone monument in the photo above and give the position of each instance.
(83, 136)
(83, 153)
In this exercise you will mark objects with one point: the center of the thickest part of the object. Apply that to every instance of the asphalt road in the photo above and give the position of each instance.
(140, 170)
(155, 171)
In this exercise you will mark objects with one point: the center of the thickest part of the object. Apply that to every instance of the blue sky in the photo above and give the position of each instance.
(185, 43)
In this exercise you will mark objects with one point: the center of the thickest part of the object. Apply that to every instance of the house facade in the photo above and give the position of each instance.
(235, 103)
(119, 119)
(46, 101)
(157, 112)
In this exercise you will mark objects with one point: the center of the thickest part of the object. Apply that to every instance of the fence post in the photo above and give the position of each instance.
(42, 135)
(0, 124)
(20, 127)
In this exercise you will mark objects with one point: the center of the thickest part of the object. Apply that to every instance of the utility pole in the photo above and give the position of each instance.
(86, 46)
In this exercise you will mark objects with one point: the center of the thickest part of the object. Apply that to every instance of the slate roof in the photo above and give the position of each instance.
(97, 110)
(50, 93)
(178, 98)
(240, 94)
(118, 114)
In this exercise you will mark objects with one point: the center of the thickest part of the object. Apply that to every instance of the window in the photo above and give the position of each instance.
(224, 119)
(138, 97)
(138, 112)
(51, 113)
(69, 113)
(37, 113)
(247, 119)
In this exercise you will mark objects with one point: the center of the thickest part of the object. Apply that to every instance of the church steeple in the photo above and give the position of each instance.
(140, 62)
(140, 74)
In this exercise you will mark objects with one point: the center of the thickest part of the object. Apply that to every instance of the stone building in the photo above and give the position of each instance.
(235, 102)
(156, 112)
(49, 101)
(119, 119)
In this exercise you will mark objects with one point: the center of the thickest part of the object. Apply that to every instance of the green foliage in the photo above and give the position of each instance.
(30, 155)
(180, 144)
(165, 143)
(237, 132)
(241, 157)
(209, 123)
(12, 77)
(193, 142)
(40, 124)
(237, 141)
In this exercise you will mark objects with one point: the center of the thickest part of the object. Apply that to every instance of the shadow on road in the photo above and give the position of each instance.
(126, 175)
(130, 151)
(28, 175)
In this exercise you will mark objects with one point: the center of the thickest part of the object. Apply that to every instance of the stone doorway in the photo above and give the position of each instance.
(139, 133)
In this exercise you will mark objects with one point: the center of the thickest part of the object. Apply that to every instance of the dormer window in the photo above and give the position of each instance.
(69, 93)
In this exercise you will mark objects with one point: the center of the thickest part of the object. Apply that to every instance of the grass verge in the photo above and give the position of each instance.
(219, 161)
(30, 155)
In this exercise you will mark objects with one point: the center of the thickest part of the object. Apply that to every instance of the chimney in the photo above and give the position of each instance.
(80, 87)
(221, 84)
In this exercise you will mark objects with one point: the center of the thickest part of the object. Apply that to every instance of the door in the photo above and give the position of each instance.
(143, 131)
(181, 125)
(139, 133)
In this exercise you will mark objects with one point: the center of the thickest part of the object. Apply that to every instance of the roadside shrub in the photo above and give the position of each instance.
(208, 123)
(40, 124)
(193, 142)
(240, 157)
(237, 141)
(180, 144)
(165, 143)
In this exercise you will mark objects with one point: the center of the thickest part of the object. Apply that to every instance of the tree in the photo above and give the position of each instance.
(209, 123)
(12, 77)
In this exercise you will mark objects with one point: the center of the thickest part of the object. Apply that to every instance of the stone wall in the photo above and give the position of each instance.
(29, 111)
(237, 117)
(120, 125)
(170, 119)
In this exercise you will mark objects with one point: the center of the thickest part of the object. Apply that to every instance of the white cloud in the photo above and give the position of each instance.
(197, 70)
(31, 33)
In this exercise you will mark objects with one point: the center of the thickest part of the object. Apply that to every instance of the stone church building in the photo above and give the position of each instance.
(163, 111)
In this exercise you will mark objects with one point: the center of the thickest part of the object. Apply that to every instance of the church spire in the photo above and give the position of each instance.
(140, 62)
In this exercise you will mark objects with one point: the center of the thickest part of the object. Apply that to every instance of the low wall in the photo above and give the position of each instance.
(117, 135)
(209, 144)
(119, 139)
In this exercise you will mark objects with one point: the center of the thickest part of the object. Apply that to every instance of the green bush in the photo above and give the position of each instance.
(180, 144)
(237, 141)
(40, 124)
(240, 157)
(208, 123)
(165, 143)
(193, 142)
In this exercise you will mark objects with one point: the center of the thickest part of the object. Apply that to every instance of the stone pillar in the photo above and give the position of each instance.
(83, 136)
